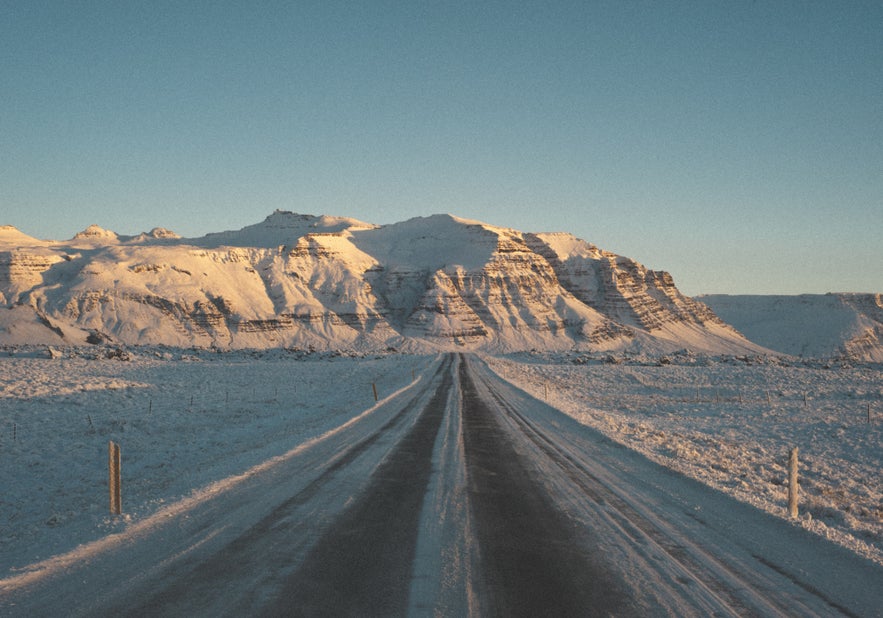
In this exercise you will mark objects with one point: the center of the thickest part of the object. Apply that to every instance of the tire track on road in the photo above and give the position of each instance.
(362, 564)
(262, 553)
(534, 560)
(727, 583)
(632, 523)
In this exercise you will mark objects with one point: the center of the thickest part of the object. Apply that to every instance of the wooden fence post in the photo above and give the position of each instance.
(114, 481)
(792, 483)
(374, 387)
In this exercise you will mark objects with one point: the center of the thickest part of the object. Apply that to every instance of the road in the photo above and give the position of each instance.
(460, 495)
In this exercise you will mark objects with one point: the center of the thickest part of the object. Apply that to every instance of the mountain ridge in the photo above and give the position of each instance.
(437, 282)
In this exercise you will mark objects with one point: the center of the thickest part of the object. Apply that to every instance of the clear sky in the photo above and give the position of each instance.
(737, 144)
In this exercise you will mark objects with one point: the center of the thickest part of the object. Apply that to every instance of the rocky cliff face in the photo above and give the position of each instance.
(866, 340)
(295, 280)
(618, 286)
(22, 269)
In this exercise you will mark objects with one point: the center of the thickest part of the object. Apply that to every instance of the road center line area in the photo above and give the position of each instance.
(461, 496)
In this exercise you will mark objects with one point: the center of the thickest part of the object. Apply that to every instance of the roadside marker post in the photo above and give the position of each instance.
(114, 481)
(792, 483)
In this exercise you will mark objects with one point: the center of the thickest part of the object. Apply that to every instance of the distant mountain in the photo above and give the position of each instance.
(295, 280)
(809, 325)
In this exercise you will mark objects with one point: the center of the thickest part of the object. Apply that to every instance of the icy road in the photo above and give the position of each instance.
(457, 495)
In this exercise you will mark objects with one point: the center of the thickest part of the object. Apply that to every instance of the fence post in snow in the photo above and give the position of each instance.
(374, 388)
(792, 483)
(114, 481)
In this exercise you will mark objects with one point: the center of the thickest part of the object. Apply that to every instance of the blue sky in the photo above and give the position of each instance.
(737, 144)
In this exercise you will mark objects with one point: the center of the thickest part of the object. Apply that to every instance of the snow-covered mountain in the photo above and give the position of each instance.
(438, 282)
(810, 325)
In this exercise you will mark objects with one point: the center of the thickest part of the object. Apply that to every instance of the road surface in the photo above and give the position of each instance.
(459, 495)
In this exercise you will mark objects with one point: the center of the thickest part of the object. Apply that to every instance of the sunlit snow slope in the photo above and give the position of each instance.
(811, 325)
(438, 282)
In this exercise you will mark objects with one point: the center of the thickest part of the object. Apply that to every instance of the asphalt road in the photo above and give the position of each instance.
(532, 560)
(362, 564)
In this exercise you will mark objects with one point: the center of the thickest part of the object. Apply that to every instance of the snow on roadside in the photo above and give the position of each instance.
(183, 420)
(730, 423)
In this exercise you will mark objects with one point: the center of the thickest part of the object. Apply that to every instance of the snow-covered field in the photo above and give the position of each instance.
(730, 423)
(182, 419)
(186, 419)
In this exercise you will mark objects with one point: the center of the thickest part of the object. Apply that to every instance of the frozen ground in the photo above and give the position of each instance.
(187, 419)
(248, 494)
(183, 420)
(730, 423)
